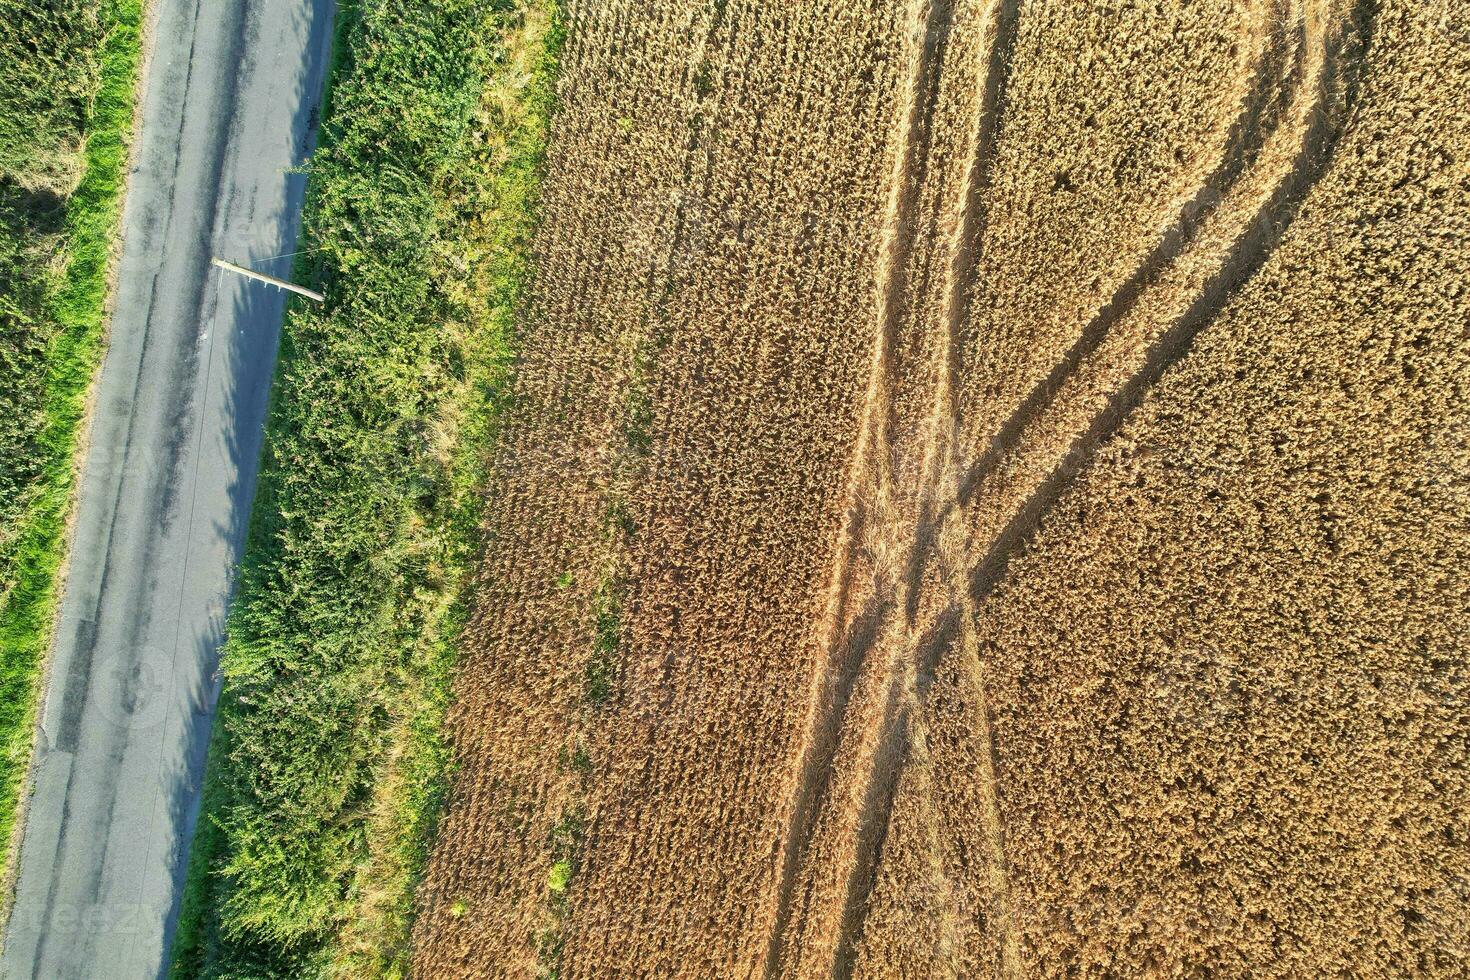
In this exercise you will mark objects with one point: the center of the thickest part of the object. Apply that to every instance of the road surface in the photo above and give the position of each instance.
(230, 106)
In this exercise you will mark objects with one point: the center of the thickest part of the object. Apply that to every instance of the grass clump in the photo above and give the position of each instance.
(606, 640)
(328, 769)
(560, 877)
(68, 71)
(565, 845)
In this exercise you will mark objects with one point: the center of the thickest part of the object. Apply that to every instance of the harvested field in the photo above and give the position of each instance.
(985, 496)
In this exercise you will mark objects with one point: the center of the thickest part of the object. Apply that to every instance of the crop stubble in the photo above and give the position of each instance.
(976, 614)
(685, 233)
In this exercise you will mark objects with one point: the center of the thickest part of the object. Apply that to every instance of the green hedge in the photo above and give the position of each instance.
(49, 68)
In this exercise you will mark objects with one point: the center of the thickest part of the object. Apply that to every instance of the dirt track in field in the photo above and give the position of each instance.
(981, 503)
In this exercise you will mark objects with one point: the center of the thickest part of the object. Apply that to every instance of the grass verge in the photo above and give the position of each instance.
(73, 291)
(327, 770)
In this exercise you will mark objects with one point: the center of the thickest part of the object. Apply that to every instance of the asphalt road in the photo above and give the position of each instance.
(230, 107)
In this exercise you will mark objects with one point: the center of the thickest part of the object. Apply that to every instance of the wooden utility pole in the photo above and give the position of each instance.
(311, 294)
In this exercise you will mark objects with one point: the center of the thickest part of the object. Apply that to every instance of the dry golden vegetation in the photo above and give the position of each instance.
(676, 476)
(985, 496)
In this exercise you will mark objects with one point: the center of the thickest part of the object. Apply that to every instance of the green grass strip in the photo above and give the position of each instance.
(76, 304)
(327, 768)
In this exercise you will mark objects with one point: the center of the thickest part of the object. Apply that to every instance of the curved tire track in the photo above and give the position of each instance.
(1276, 150)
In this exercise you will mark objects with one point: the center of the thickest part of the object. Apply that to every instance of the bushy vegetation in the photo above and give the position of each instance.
(67, 72)
(49, 72)
(327, 768)
(50, 67)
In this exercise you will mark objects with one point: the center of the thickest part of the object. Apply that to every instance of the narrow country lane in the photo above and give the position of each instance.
(229, 109)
